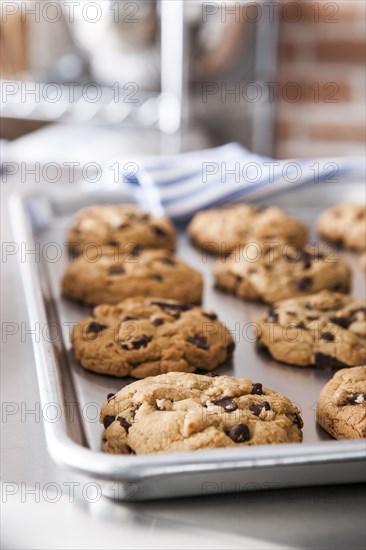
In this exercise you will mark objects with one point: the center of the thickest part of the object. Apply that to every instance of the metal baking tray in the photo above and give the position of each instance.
(74, 438)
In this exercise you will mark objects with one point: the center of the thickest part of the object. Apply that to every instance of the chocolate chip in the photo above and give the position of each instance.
(238, 433)
(95, 327)
(323, 361)
(226, 403)
(239, 278)
(198, 341)
(158, 322)
(300, 325)
(159, 232)
(136, 250)
(110, 395)
(327, 336)
(272, 315)
(306, 259)
(312, 317)
(107, 421)
(129, 318)
(166, 305)
(291, 256)
(356, 398)
(257, 389)
(209, 315)
(258, 408)
(113, 243)
(303, 284)
(141, 342)
(115, 270)
(126, 425)
(338, 287)
(123, 226)
(167, 261)
(298, 421)
(174, 314)
(157, 277)
(134, 411)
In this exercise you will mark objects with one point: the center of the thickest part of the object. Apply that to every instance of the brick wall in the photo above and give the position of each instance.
(321, 109)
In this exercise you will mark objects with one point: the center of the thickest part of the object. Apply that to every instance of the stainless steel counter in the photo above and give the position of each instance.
(44, 506)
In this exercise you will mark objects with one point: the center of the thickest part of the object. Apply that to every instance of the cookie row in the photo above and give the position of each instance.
(142, 337)
(267, 268)
(219, 231)
(280, 272)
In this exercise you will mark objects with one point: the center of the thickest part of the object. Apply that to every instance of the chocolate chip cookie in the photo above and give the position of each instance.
(344, 225)
(341, 408)
(221, 230)
(275, 272)
(144, 337)
(190, 412)
(327, 330)
(120, 224)
(111, 276)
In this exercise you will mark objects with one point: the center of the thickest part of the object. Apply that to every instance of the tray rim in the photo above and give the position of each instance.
(65, 451)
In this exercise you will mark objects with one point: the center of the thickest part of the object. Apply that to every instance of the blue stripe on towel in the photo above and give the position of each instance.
(176, 184)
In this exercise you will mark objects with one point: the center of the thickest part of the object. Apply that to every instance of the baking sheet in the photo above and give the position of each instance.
(81, 392)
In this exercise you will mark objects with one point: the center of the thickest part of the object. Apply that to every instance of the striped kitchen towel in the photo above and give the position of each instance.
(180, 185)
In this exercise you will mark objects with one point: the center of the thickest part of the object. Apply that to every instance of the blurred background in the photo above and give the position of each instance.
(99, 79)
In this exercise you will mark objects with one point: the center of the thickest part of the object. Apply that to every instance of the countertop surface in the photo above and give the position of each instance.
(44, 506)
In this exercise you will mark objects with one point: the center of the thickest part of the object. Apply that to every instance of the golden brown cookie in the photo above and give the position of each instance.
(143, 337)
(112, 276)
(341, 408)
(276, 272)
(344, 225)
(190, 412)
(221, 230)
(326, 330)
(120, 224)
